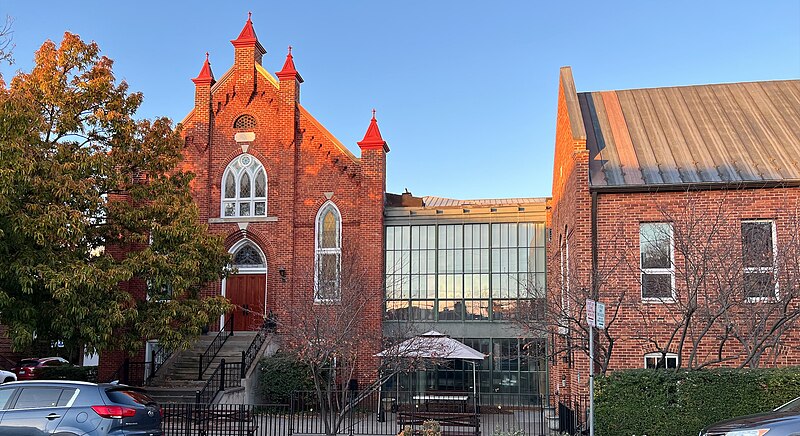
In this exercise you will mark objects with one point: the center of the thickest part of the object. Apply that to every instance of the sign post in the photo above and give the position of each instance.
(595, 317)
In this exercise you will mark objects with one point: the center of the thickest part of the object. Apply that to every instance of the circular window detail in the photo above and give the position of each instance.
(245, 122)
(245, 160)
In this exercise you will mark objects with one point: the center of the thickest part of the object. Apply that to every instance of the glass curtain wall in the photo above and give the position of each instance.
(481, 273)
(463, 272)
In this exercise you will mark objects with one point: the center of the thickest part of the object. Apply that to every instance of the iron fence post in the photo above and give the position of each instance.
(222, 375)
(200, 368)
(197, 397)
(244, 369)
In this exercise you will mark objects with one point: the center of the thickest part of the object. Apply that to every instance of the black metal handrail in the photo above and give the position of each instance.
(123, 372)
(213, 348)
(225, 376)
(249, 356)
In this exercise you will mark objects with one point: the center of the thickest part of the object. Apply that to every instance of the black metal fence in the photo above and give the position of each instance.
(386, 414)
(227, 375)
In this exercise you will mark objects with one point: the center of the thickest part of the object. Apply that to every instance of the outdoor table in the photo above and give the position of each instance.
(428, 399)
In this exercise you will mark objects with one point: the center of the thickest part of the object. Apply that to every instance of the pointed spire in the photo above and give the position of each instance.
(372, 139)
(206, 76)
(247, 37)
(289, 72)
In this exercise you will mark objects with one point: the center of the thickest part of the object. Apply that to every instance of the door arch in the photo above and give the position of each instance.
(247, 289)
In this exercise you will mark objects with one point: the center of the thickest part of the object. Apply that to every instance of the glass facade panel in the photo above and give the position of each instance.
(473, 272)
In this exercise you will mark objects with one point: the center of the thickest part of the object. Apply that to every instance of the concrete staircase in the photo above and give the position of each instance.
(178, 381)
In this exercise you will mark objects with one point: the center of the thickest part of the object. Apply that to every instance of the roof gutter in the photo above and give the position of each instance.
(705, 186)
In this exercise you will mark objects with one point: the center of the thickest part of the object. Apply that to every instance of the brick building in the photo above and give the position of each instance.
(289, 198)
(678, 208)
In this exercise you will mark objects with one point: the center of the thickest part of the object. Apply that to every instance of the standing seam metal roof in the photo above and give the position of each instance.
(725, 133)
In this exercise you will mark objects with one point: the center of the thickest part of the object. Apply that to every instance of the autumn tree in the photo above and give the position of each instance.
(93, 210)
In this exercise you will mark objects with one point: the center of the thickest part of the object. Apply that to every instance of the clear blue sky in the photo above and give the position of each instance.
(465, 90)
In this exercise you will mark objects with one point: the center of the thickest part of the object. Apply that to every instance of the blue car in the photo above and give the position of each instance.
(70, 408)
(783, 421)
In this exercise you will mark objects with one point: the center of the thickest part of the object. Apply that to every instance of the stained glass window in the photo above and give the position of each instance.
(248, 256)
(328, 254)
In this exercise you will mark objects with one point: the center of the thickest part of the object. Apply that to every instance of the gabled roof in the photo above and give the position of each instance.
(703, 134)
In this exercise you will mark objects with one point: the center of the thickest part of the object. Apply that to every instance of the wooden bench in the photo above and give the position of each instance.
(225, 422)
(451, 424)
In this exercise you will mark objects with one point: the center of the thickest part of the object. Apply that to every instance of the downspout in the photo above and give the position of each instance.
(594, 245)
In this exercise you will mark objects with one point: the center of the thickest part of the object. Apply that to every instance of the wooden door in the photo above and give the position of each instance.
(246, 292)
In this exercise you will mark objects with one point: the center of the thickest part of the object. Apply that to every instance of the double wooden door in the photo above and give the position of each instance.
(246, 292)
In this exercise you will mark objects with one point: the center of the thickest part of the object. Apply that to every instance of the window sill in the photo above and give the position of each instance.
(244, 219)
(651, 300)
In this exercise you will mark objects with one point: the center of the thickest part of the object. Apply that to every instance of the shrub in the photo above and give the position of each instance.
(282, 374)
(67, 372)
(668, 403)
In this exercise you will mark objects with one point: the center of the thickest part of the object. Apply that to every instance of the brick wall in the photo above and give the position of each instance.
(303, 162)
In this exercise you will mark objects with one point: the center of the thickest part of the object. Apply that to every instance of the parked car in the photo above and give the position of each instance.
(70, 408)
(7, 376)
(783, 421)
(26, 368)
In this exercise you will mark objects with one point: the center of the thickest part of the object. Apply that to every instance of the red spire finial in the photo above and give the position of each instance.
(289, 72)
(372, 139)
(247, 37)
(206, 76)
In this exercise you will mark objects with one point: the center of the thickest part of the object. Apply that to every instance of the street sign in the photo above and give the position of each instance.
(590, 312)
(600, 315)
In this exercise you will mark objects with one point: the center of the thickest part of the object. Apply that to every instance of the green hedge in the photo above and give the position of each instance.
(67, 372)
(282, 374)
(669, 403)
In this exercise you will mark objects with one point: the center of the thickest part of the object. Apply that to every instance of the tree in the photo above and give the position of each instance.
(94, 213)
(733, 287)
(562, 312)
(330, 337)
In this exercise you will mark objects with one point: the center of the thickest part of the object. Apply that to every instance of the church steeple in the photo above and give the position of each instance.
(206, 76)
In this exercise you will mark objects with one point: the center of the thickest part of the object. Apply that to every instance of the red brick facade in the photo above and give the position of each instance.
(305, 165)
(581, 215)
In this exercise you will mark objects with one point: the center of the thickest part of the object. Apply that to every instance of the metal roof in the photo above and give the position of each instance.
(704, 134)
(430, 201)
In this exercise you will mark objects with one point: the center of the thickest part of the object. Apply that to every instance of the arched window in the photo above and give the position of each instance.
(328, 253)
(245, 122)
(244, 188)
(247, 257)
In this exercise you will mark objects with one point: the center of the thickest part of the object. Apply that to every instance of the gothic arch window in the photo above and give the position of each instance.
(328, 254)
(245, 122)
(244, 188)
(247, 257)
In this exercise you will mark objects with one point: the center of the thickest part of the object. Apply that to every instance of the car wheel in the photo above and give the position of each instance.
(8, 379)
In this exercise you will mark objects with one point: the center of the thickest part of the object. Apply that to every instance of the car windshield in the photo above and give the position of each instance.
(28, 362)
(791, 406)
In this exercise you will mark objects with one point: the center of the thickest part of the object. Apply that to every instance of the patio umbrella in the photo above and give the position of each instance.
(435, 345)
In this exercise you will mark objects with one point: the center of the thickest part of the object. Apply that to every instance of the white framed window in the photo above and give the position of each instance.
(244, 188)
(759, 250)
(328, 254)
(660, 360)
(657, 261)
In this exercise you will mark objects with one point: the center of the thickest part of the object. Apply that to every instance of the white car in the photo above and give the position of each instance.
(7, 376)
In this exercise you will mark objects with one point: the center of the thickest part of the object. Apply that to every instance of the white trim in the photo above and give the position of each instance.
(660, 355)
(661, 271)
(318, 250)
(252, 170)
(763, 269)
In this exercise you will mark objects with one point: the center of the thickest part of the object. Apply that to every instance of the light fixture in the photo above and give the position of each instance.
(282, 272)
